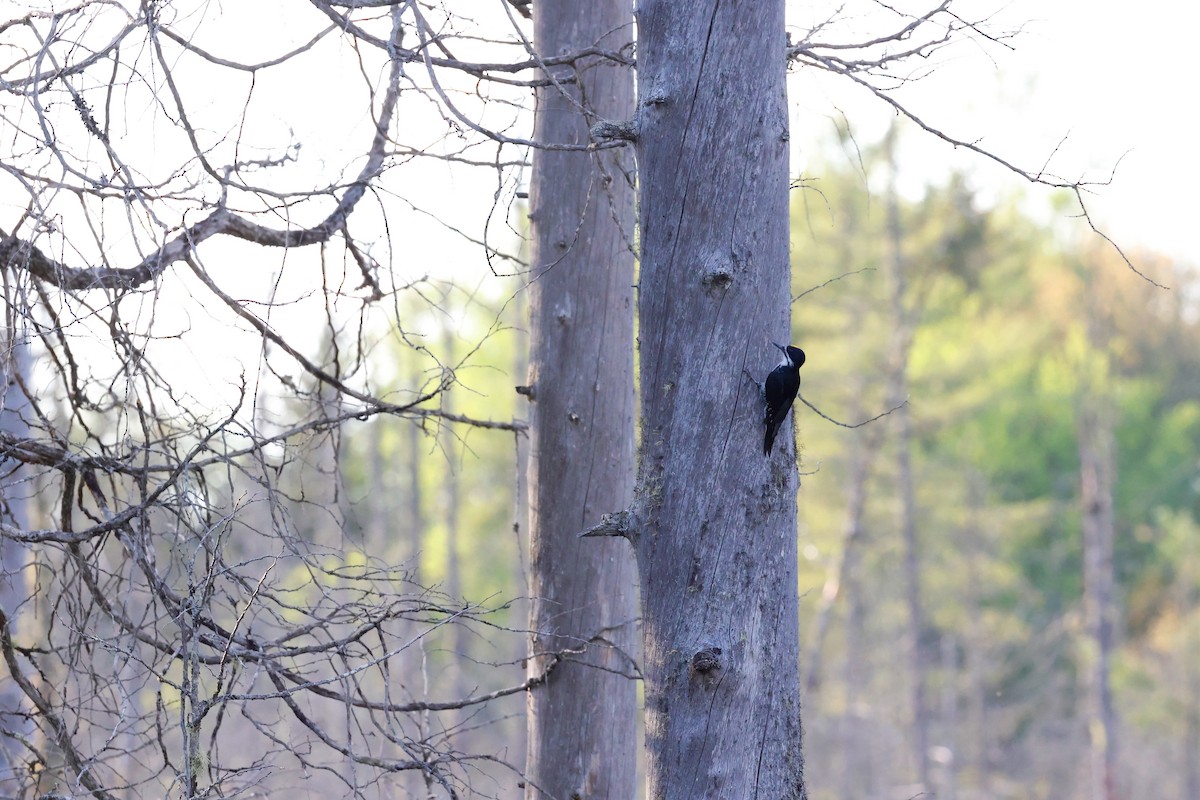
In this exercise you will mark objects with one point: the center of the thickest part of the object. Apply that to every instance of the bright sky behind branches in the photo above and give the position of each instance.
(1095, 85)
(1084, 88)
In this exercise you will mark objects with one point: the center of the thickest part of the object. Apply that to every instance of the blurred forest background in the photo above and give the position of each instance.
(954, 553)
(1009, 330)
(1010, 336)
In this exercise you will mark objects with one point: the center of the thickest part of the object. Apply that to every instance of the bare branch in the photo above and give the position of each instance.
(618, 524)
(825, 416)
(832, 280)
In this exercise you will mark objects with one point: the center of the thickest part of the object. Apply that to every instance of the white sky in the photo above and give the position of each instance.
(1123, 79)
(1116, 79)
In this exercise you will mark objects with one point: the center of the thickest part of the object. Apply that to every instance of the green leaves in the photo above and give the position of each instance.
(1016, 330)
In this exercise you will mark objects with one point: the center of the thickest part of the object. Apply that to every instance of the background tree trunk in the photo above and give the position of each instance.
(1097, 479)
(715, 522)
(1191, 738)
(582, 722)
(905, 484)
(975, 744)
(1097, 466)
(451, 504)
(14, 362)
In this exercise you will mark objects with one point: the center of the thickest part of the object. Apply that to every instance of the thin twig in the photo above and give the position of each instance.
(823, 415)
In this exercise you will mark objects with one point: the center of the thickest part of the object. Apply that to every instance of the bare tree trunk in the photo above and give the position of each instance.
(1191, 739)
(714, 522)
(414, 662)
(14, 362)
(414, 531)
(858, 772)
(582, 721)
(904, 481)
(1096, 461)
(978, 723)
(1097, 478)
(451, 499)
(948, 753)
(521, 606)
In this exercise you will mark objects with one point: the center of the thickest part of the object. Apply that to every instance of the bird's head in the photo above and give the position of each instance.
(792, 356)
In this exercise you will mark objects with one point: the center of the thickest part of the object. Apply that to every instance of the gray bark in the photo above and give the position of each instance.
(451, 502)
(858, 778)
(1097, 470)
(978, 638)
(414, 660)
(714, 522)
(1191, 738)
(15, 495)
(947, 765)
(1096, 467)
(582, 721)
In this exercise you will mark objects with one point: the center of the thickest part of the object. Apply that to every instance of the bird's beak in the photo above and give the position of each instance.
(781, 347)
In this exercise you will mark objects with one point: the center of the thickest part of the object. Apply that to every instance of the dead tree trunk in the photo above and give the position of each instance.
(714, 521)
(979, 726)
(582, 721)
(14, 509)
(1097, 480)
(1191, 738)
(1096, 494)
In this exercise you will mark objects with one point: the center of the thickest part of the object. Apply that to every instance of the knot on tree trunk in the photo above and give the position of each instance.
(707, 660)
(608, 131)
(622, 523)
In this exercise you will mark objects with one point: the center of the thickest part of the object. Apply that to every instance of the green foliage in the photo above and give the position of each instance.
(1015, 330)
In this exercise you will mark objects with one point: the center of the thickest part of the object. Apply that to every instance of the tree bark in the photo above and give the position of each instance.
(714, 522)
(452, 502)
(582, 721)
(414, 660)
(947, 765)
(858, 777)
(1191, 738)
(1096, 490)
(1097, 479)
(15, 497)
(979, 637)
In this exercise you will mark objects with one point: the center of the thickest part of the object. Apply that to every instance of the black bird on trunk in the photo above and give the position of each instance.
(779, 392)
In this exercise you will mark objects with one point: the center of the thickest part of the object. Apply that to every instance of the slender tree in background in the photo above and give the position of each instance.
(16, 504)
(1191, 738)
(1097, 482)
(582, 721)
(902, 333)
